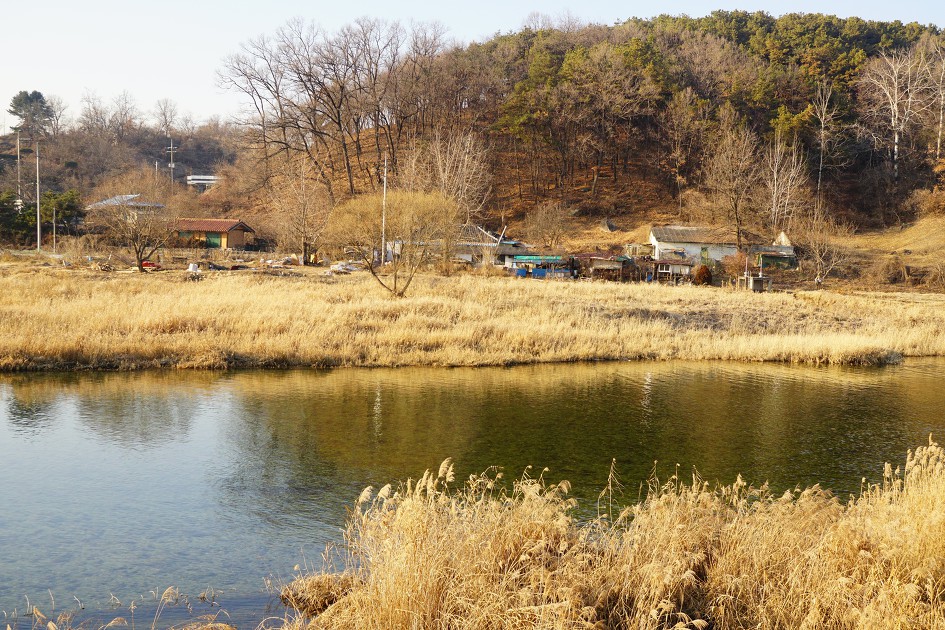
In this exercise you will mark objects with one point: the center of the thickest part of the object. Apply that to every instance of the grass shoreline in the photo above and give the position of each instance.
(73, 320)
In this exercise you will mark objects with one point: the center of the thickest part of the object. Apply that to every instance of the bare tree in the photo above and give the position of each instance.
(822, 242)
(376, 47)
(422, 86)
(716, 68)
(683, 124)
(732, 169)
(894, 93)
(547, 224)
(57, 120)
(301, 86)
(455, 167)
(95, 114)
(785, 177)
(461, 166)
(165, 113)
(300, 203)
(602, 95)
(936, 70)
(138, 212)
(124, 116)
(830, 130)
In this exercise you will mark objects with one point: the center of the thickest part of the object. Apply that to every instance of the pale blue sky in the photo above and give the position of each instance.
(173, 49)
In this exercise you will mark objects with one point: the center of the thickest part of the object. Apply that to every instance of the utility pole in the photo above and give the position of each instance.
(384, 217)
(19, 193)
(171, 164)
(304, 213)
(39, 225)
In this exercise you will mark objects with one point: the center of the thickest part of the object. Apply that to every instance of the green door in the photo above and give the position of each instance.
(213, 239)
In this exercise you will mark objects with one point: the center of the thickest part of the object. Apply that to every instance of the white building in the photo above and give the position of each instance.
(700, 245)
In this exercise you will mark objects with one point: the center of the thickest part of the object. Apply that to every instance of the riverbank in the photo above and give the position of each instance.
(63, 319)
(686, 556)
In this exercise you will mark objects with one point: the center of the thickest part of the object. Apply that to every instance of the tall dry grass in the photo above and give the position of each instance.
(686, 556)
(67, 319)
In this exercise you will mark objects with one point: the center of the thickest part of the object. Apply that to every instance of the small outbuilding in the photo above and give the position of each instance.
(779, 254)
(214, 233)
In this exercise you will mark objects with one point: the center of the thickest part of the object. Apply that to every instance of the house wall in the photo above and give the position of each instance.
(236, 239)
(674, 269)
(693, 250)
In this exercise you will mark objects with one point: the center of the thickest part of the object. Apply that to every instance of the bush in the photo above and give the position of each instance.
(927, 202)
(890, 270)
(734, 265)
(702, 275)
(935, 278)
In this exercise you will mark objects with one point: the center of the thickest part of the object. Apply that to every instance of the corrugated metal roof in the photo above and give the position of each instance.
(212, 225)
(700, 234)
(473, 235)
(124, 200)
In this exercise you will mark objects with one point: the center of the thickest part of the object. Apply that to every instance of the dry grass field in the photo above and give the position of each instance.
(69, 318)
(426, 555)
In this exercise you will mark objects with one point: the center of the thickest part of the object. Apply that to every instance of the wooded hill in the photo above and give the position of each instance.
(618, 120)
(623, 121)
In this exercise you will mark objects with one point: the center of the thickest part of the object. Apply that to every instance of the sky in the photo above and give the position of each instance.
(174, 49)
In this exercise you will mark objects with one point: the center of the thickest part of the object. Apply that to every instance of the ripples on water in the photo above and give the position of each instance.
(128, 483)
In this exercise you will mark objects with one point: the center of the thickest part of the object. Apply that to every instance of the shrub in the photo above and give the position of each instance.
(927, 202)
(936, 276)
(735, 264)
(702, 275)
(890, 270)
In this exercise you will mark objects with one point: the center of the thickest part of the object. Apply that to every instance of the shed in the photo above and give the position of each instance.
(477, 245)
(213, 233)
(542, 265)
(672, 269)
(604, 267)
(779, 254)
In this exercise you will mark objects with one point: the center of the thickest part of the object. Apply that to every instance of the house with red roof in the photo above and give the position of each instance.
(214, 233)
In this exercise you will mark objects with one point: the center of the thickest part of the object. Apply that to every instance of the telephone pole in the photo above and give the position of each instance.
(170, 150)
(384, 217)
(39, 223)
(19, 192)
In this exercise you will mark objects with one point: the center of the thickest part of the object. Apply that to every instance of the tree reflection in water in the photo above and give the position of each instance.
(126, 481)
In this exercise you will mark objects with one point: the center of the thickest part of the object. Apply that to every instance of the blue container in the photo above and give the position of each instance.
(539, 273)
(521, 272)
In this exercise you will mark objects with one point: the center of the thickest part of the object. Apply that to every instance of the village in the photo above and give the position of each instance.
(673, 254)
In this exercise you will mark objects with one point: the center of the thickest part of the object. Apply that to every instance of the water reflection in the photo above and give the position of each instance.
(127, 482)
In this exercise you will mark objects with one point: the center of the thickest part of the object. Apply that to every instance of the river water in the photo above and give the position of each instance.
(116, 486)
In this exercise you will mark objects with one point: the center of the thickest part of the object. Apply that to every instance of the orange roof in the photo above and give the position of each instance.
(212, 225)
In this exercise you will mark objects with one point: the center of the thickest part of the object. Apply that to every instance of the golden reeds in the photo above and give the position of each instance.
(62, 319)
(687, 556)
